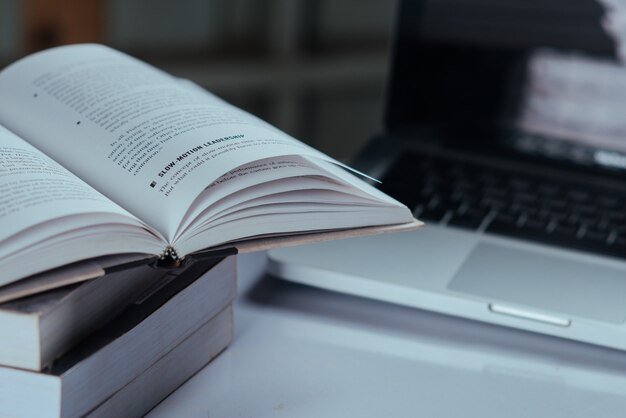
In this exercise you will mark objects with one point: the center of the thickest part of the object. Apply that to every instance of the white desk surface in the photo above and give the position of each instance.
(303, 352)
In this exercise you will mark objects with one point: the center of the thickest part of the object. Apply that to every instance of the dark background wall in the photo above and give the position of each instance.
(314, 68)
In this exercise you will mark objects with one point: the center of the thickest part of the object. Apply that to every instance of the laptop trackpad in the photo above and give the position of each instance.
(547, 282)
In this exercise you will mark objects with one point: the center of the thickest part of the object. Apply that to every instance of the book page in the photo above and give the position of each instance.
(240, 205)
(272, 176)
(138, 135)
(49, 217)
(35, 189)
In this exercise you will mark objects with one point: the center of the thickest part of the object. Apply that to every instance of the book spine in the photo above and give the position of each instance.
(169, 257)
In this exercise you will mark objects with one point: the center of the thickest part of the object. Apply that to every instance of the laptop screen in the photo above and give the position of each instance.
(546, 79)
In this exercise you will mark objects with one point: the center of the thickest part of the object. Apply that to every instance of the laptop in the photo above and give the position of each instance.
(505, 132)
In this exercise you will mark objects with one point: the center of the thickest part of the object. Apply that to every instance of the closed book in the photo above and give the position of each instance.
(37, 329)
(170, 371)
(122, 350)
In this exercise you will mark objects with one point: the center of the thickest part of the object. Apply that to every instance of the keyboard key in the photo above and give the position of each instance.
(616, 216)
(559, 216)
(519, 183)
(548, 190)
(494, 203)
(578, 195)
(519, 208)
(595, 234)
(525, 197)
(505, 224)
(536, 224)
(620, 241)
(471, 218)
(564, 232)
(555, 204)
(587, 210)
(496, 193)
(608, 201)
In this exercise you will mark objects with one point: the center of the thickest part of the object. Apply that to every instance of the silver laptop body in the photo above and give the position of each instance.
(505, 132)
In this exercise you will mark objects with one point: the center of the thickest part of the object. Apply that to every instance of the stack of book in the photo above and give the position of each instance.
(132, 182)
(116, 345)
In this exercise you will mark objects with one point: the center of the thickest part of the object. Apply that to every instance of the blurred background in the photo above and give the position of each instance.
(314, 68)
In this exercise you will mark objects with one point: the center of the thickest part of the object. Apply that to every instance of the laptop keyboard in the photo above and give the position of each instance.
(493, 200)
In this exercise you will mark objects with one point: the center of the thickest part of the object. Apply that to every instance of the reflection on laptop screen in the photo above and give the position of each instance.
(579, 102)
(543, 78)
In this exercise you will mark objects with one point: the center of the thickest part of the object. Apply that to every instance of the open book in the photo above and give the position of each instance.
(103, 154)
